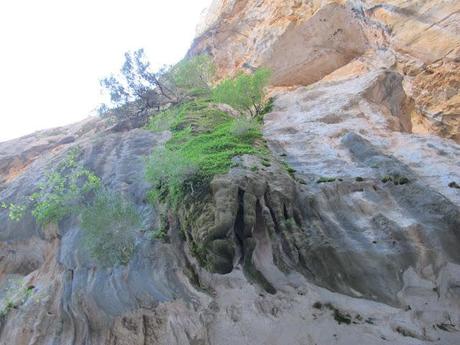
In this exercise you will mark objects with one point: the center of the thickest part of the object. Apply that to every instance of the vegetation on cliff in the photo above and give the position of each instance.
(108, 220)
(58, 195)
(204, 141)
(63, 190)
(138, 92)
(109, 225)
(209, 125)
(208, 132)
(205, 136)
(245, 92)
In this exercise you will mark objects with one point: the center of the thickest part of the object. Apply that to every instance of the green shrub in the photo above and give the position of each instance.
(158, 234)
(289, 223)
(323, 179)
(194, 75)
(339, 316)
(63, 190)
(163, 121)
(203, 143)
(396, 179)
(386, 179)
(213, 151)
(16, 211)
(199, 115)
(243, 127)
(109, 226)
(401, 180)
(170, 172)
(268, 107)
(291, 171)
(245, 92)
(61, 194)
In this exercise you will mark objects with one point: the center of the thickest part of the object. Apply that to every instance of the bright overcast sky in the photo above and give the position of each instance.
(53, 53)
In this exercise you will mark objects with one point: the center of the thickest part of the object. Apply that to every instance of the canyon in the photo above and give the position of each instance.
(358, 242)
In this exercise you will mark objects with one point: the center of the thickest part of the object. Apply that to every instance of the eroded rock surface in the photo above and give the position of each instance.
(357, 242)
(303, 41)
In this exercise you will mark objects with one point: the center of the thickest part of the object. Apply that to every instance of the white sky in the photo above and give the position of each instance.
(53, 53)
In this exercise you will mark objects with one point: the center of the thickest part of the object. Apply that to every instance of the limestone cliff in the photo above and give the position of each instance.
(304, 41)
(358, 242)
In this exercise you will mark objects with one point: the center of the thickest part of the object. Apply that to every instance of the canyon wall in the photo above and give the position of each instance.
(304, 41)
(359, 241)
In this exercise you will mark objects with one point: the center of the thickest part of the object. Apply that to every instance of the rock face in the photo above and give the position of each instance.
(358, 242)
(304, 41)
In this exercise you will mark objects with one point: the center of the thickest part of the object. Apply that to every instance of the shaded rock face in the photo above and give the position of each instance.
(359, 241)
(353, 213)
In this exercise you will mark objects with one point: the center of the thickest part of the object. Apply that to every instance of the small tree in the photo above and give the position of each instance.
(245, 92)
(136, 89)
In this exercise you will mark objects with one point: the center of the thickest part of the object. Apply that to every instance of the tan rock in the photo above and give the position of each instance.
(346, 232)
(305, 41)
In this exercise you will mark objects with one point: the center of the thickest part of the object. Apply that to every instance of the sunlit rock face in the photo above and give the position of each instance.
(358, 243)
(304, 41)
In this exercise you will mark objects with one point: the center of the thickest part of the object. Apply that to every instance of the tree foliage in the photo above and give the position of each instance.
(245, 92)
(63, 191)
(136, 89)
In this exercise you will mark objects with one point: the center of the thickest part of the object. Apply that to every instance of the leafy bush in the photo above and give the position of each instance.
(16, 211)
(213, 151)
(61, 194)
(324, 179)
(243, 127)
(204, 139)
(245, 92)
(396, 179)
(163, 120)
(203, 143)
(268, 106)
(63, 191)
(170, 172)
(109, 225)
(197, 114)
(194, 75)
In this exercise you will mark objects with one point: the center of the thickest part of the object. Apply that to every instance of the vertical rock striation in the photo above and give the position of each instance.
(359, 241)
